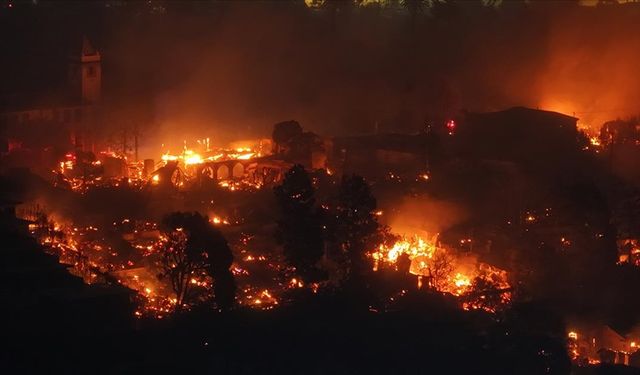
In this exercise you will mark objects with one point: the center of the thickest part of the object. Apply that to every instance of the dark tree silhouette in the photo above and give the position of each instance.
(283, 133)
(356, 226)
(485, 293)
(179, 265)
(300, 226)
(619, 132)
(404, 263)
(438, 269)
(205, 249)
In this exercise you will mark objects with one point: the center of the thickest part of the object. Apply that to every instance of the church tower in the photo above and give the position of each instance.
(85, 74)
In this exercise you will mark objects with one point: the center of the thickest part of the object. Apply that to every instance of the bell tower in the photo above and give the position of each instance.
(85, 73)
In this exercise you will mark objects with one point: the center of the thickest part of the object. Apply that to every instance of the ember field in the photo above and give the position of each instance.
(129, 251)
(320, 186)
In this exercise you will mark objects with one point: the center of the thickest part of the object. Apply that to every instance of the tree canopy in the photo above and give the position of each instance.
(300, 226)
(204, 248)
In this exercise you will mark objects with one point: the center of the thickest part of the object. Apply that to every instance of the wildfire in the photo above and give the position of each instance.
(413, 247)
(216, 220)
(264, 299)
(295, 283)
(231, 168)
(462, 284)
(190, 157)
(446, 272)
(88, 256)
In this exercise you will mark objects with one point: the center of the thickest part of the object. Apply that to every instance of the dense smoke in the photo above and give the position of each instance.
(249, 65)
(423, 215)
(230, 70)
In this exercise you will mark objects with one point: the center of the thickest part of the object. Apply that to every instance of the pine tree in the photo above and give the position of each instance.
(203, 249)
(300, 226)
(356, 226)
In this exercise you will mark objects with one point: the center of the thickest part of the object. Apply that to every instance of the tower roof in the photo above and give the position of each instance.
(87, 52)
(87, 48)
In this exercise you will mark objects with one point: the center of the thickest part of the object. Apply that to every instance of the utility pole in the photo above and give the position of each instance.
(124, 141)
(135, 140)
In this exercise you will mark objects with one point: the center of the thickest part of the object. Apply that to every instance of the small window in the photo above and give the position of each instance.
(91, 71)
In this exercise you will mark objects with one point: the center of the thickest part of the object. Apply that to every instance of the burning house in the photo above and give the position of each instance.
(601, 344)
(207, 166)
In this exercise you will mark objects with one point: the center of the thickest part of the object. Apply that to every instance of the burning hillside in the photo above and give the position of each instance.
(136, 262)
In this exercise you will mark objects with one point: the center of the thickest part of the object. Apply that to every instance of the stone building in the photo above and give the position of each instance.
(72, 110)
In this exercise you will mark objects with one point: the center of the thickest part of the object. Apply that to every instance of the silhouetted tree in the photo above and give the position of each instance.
(356, 226)
(283, 133)
(205, 250)
(402, 278)
(485, 293)
(300, 226)
(403, 263)
(438, 269)
(619, 132)
(179, 265)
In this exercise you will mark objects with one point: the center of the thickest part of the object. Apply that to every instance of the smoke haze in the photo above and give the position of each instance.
(230, 70)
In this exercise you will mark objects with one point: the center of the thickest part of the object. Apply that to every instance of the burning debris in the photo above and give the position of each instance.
(594, 344)
(477, 284)
(241, 168)
(151, 260)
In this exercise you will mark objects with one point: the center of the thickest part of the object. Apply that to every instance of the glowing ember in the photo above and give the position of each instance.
(445, 272)
(190, 157)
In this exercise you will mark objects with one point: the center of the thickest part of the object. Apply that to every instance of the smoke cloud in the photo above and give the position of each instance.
(230, 70)
(422, 215)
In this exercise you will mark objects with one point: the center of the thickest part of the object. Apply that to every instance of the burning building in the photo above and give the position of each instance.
(601, 344)
(232, 168)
